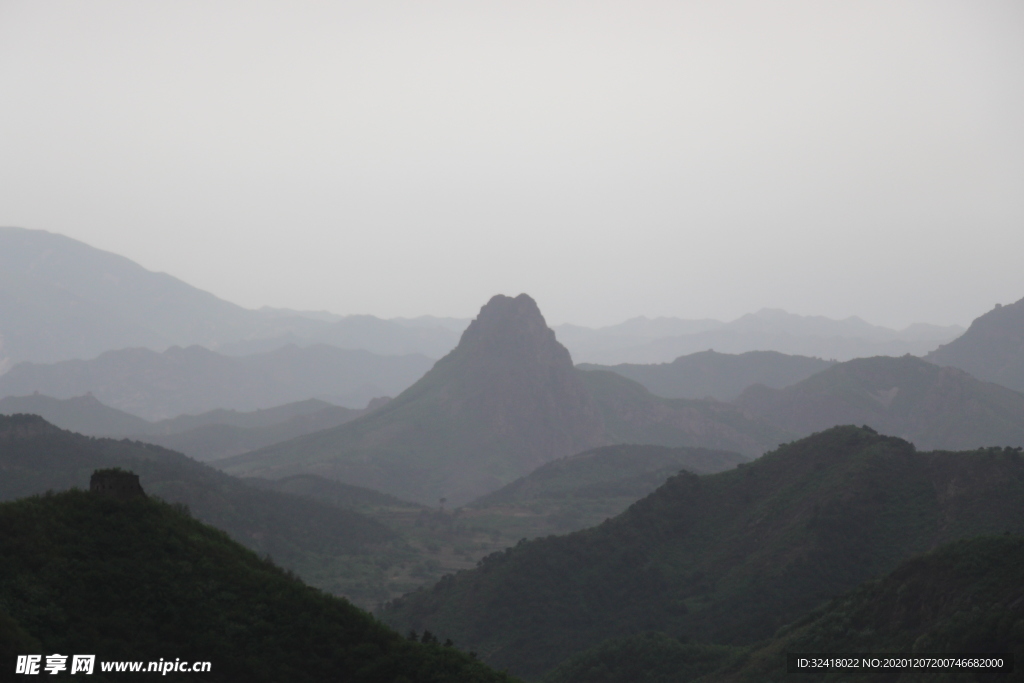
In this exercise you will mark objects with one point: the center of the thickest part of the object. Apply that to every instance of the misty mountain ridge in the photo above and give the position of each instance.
(204, 437)
(194, 380)
(932, 406)
(992, 348)
(61, 299)
(725, 558)
(661, 340)
(504, 402)
(721, 376)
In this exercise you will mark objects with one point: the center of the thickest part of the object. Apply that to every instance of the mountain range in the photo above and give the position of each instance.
(726, 558)
(661, 340)
(61, 299)
(932, 406)
(504, 402)
(722, 376)
(192, 380)
(991, 349)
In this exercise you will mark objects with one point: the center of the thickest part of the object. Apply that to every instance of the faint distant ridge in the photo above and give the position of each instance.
(661, 340)
(929, 405)
(194, 379)
(507, 400)
(207, 436)
(722, 376)
(991, 349)
(62, 299)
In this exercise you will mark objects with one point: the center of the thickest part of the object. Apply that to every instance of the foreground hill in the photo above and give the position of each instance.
(963, 597)
(726, 558)
(992, 348)
(158, 386)
(137, 580)
(722, 376)
(933, 407)
(302, 534)
(504, 402)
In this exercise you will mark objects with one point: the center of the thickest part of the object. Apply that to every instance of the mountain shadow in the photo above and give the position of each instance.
(504, 402)
(932, 406)
(725, 558)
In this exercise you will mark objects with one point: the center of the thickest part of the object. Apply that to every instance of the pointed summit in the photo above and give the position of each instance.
(505, 401)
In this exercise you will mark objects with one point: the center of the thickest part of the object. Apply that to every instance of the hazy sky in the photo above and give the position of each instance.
(697, 158)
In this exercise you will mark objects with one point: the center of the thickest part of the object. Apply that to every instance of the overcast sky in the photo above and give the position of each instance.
(701, 158)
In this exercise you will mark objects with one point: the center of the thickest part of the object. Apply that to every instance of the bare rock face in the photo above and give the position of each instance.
(116, 483)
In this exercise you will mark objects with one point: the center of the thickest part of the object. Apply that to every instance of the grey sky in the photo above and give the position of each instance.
(612, 159)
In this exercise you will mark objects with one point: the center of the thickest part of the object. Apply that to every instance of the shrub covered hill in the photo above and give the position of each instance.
(504, 402)
(728, 557)
(138, 580)
(963, 597)
(991, 349)
(932, 406)
(303, 534)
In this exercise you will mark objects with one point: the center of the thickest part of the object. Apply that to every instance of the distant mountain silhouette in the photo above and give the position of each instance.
(992, 348)
(932, 406)
(505, 401)
(204, 437)
(62, 299)
(194, 380)
(724, 558)
(661, 340)
(83, 414)
(722, 376)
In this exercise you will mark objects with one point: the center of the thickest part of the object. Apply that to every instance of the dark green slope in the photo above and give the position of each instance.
(722, 376)
(303, 534)
(728, 557)
(137, 580)
(992, 348)
(504, 402)
(932, 406)
(965, 597)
